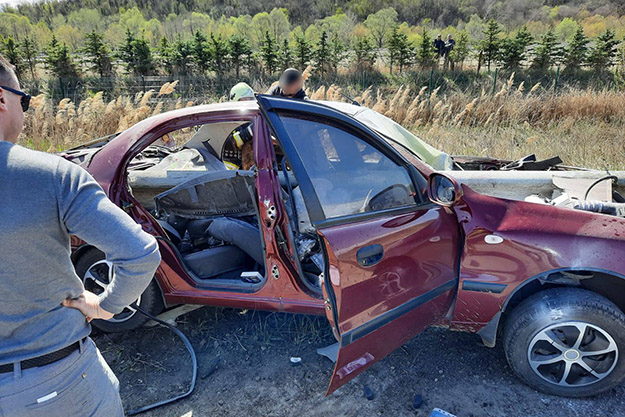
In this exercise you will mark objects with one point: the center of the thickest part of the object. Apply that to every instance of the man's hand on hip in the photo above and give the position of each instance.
(89, 305)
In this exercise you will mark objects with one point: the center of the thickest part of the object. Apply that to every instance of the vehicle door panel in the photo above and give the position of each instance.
(391, 270)
(382, 306)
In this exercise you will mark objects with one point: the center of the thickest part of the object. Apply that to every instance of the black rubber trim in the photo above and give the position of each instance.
(395, 313)
(480, 286)
(369, 215)
(274, 123)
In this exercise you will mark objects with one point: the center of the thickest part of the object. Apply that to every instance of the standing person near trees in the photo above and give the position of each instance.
(439, 47)
(49, 366)
(291, 85)
(449, 46)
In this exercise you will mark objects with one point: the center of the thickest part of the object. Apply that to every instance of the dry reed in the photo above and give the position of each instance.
(584, 126)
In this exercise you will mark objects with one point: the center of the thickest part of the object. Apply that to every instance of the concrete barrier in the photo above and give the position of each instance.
(517, 185)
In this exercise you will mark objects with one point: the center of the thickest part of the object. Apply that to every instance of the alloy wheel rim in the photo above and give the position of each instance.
(97, 279)
(572, 354)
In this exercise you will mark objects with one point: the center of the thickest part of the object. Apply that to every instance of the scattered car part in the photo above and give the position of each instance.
(212, 367)
(330, 352)
(614, 179)
(437, 412)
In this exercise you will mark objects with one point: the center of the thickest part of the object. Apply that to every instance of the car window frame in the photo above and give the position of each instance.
(313, 204)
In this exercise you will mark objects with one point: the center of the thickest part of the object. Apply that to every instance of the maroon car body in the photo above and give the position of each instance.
(391, 273)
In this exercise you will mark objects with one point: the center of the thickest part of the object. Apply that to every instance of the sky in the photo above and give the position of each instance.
(14, 2)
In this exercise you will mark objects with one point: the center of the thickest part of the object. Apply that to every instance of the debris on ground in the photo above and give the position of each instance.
(368, 393)
(417, 401)
(211, 367)
(331, 352)
(437, 412)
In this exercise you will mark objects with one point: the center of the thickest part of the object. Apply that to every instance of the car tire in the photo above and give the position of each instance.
(567, 329)
(93, 264)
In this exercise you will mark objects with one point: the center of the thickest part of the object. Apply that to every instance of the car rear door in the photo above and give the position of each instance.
(391, 255)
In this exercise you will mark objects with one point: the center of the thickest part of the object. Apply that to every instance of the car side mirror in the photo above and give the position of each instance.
(443, 190)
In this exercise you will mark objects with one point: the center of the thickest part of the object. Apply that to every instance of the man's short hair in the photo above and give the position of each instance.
(7, 72)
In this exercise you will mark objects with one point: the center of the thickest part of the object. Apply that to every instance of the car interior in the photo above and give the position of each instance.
(192, 182)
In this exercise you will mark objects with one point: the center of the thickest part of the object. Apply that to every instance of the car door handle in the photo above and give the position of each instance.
(370, 255)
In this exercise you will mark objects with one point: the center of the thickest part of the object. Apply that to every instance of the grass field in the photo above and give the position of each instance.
(584, 127)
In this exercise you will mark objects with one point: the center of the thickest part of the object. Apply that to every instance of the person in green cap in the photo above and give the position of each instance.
(241, 92)
(240, 140)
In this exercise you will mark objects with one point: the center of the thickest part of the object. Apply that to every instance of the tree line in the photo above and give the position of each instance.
(206, 53)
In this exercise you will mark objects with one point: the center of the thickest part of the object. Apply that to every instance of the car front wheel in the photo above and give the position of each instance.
(96, 273)
(567, 341)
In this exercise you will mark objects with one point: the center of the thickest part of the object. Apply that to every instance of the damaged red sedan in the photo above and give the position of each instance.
(296, 206)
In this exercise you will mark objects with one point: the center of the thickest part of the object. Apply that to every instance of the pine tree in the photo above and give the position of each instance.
(181, 57)
(126, 51)
(239, 49)
(400, 51)
(29, 52)
(322, 54)
(219, 54)
(303, 52)
(425, 51)
(201, 51)
(393, 46)
(524, 38)
(512, 50)
(136, 54)
(59, 61)
(508, 55)
(286, 55)
(164, 58)
(144, 60)
(269, 55)
(491, 43)
(364, 54)
(98, 54)
(338, 53)
(13, 55)
(576, 53)
(603, 54)
(547, 52)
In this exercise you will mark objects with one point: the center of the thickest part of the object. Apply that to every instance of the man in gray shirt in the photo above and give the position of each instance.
(48, 364)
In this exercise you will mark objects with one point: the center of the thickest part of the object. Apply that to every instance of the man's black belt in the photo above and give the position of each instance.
(44, 359)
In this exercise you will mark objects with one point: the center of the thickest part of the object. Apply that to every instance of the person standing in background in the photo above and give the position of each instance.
(449, 46)
(439, 47)
(291, 85)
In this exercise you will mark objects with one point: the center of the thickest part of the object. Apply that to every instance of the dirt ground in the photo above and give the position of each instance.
(254, 377)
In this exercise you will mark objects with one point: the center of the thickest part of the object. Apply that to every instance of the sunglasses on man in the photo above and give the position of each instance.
(25, 98)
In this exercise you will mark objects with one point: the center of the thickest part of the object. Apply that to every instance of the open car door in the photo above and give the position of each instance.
(391, 255)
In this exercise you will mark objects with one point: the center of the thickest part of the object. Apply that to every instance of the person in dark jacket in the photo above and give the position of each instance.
(291, 85)
(439, 45)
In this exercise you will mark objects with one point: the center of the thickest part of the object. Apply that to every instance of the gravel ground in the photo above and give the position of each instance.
(254, 377)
